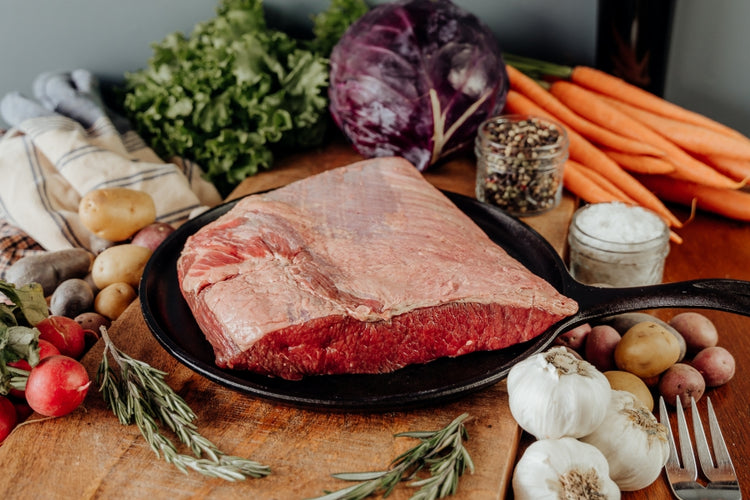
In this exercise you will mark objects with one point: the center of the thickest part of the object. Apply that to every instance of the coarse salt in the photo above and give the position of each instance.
(620, 223)
(615, 244)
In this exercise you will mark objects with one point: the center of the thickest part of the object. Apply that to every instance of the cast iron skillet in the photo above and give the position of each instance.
(172, 323)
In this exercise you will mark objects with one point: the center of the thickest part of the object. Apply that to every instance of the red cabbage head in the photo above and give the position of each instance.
(415, 78)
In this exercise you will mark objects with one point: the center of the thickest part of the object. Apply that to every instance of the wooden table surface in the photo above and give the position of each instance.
(89, 455)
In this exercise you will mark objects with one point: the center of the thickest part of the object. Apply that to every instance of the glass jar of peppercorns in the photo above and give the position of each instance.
(520, 161)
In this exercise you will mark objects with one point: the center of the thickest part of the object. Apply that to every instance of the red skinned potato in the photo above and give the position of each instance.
(574, 338)
(64, 333)
(600, 347)
(716, 364)
(152, 235)
(681, 380)
(91, 322)
(698, 331)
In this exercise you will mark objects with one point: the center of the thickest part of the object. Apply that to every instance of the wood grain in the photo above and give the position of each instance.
(89, 454)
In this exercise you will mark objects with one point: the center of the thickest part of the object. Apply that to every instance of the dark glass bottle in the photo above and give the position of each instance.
(633, 40)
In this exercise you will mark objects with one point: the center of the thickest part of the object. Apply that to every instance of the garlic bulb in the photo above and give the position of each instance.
(554, 394)
(563, 468)
(633, 441)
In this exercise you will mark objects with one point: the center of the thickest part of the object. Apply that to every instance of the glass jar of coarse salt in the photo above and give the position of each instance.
(520, 161)
(618, 245)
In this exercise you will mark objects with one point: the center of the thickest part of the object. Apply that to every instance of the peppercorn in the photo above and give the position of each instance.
(519, 163)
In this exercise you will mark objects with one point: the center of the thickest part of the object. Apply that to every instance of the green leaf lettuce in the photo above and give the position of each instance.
(234, 90)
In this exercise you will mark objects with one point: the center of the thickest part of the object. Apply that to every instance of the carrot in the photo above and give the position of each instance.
(615, 87)
(641, 164)
(738, 170)
(582, 151)
(577, 181)
(606, 184)
(731, 203)
(595, 133)
(693, 138)
(598, 109)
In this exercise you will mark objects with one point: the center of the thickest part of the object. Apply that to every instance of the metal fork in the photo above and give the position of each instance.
(722, 479)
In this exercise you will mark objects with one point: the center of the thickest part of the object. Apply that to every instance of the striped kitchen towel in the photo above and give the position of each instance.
(48, 163)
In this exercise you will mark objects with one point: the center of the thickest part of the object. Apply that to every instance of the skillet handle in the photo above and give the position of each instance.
(721, 294)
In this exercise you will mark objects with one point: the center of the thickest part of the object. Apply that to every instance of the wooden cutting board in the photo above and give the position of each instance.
(89, 454)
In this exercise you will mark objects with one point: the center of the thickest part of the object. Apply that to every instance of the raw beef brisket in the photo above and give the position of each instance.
(361, 269)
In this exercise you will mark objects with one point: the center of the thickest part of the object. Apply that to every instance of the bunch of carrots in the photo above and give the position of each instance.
(627, 144)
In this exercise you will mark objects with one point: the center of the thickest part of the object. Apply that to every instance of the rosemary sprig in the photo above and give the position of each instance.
(138, 393)
(442, 452)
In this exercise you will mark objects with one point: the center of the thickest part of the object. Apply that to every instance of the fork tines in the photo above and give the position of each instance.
(682, 478)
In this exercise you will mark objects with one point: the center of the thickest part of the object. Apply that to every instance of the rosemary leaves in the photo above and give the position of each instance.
(441, 452)
(137, 392)
(520, 163)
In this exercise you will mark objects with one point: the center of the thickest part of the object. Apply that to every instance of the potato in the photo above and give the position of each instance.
(625, 321)
(574, 338)
(652, 382)
(92, 321)
(152, 235)
(116, 214)
(71, 297)
(681, 380)
(90, 280)
(697, 330)
(626, 381)
(716, 364)
(120, 263)
(600, 347)
(646, 349)
(113, 299)
(49, 269)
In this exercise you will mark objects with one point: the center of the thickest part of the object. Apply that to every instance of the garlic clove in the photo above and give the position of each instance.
(555, 394)
(563, 468)
(633, 441)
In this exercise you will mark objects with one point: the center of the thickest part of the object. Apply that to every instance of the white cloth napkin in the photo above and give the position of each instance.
(49, 161)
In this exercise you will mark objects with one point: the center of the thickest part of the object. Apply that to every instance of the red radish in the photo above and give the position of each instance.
(57, 386)
(46, 349)
(65, 333)
(23, 410)
(8, 417)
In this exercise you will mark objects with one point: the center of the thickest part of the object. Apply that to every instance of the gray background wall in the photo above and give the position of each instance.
(708, 70)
